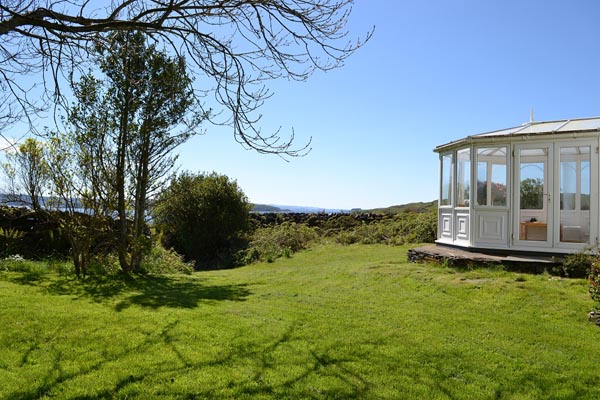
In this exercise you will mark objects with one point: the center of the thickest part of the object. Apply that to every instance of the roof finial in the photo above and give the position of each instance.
(531, 116)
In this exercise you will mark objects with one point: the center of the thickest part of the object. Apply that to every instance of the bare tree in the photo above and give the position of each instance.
(238, 44)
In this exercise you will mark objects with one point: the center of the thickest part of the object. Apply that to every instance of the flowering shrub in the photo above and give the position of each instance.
(594, 280)
(15, 258)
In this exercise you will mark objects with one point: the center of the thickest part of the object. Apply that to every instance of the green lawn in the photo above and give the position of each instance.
(331, 322)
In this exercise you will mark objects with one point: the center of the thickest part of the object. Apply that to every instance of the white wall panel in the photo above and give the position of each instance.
(462, 227)
(446, 225)
(492, 228)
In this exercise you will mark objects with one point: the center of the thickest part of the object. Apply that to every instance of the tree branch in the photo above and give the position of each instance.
(237, 44)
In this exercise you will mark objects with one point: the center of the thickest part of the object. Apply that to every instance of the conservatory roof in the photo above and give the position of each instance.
(532, 129)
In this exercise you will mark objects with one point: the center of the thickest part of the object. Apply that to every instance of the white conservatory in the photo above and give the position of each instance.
(532, 188)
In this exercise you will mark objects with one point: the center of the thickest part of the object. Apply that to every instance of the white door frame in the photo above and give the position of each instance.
(593, 212)
(534, 230)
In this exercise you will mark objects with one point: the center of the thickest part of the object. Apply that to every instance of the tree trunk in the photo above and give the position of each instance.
(123, 236)
(142, 179)
(121, 171)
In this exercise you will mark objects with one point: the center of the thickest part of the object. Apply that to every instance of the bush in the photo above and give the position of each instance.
(402, 228)
(157, 260)
(10, 241)
(278, 239)
(594, 280)
(373, 233)
(163, 261)
(417, 227)
(283, 240)
(103, 265)
(202, 217)
(340, 223)
(16, 263)
(346, 237)
(575, 265)
(31, 234)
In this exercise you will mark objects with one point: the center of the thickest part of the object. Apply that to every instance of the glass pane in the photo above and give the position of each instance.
(482, 183)
(586, 181)
(568, 184)
(575, 194)
(532, 172)
(491, 176)
(499, 184)
(463, 180)
(446, 180)
(532, 182)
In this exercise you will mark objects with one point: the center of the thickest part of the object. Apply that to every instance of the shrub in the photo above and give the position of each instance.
(103, 265)
(10, 240)
(157, 260)
(13, 263)
(278, 235)
(594, 280)
(272, 242)
(575, 265)
(202, 217)
(417, 227)
(163, 261)
(31, 234)
(346, 237)
(340, 223)
(402, 228)
(374, 233)
(62, 267)
(16, 263)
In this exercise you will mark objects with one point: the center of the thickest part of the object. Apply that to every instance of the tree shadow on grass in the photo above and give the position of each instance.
(29, 278)
(151, 291)
(326, 373)
(161, 291)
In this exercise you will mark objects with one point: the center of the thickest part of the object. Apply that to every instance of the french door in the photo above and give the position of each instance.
(533, 183)
(555, 196)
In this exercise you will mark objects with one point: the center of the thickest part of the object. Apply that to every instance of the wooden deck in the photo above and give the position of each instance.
(462, 258)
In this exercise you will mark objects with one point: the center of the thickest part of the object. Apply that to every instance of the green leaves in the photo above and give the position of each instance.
(202, 216)
(126, 125)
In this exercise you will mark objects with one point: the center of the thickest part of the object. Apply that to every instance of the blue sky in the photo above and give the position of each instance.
(434, 71)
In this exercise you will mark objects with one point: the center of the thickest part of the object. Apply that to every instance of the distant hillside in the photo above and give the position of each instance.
(272, 208)
(265, 208)
(411, 207)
